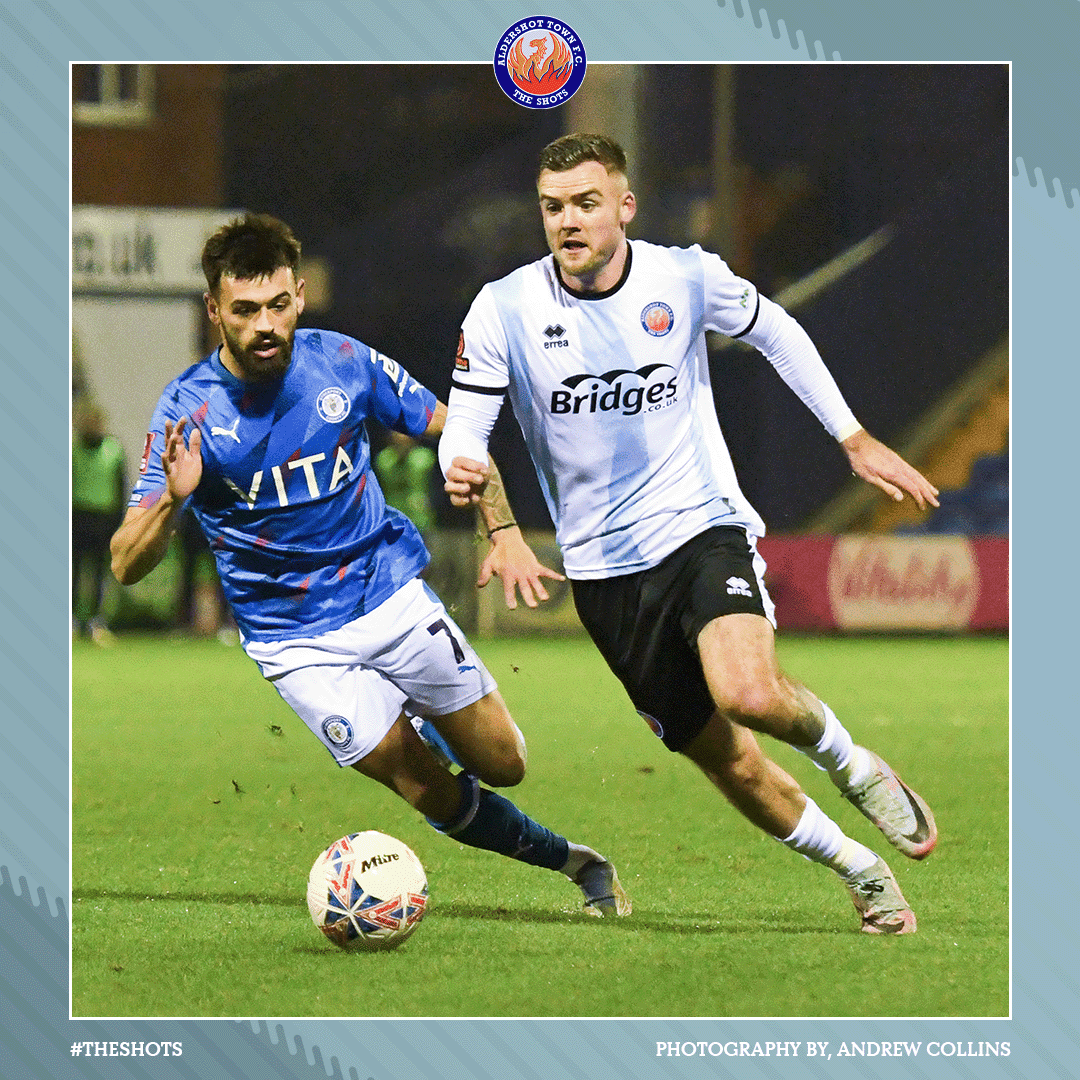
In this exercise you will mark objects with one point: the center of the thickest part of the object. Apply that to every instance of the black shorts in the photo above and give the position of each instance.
(646, 625)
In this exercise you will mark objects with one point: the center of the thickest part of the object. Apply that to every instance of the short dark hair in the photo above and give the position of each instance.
(252, 246)
(571, 150)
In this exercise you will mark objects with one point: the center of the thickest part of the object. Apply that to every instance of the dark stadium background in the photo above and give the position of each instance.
(415, 183)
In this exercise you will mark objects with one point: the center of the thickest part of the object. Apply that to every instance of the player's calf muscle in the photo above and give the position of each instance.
(412, 773)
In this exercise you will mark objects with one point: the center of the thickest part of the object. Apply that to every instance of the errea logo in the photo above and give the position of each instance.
(554, 335)
(736, 586)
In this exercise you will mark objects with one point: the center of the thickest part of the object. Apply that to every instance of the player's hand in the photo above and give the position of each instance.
(877, 464)
(465, 481)
(515, 564)
(182, 461)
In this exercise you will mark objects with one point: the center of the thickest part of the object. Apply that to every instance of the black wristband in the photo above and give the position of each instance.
(508, 525)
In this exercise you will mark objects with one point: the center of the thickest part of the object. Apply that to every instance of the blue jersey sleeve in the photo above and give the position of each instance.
(398, 401)
(150, 482)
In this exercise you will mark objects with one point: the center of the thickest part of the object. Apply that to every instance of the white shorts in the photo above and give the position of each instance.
(351, 684)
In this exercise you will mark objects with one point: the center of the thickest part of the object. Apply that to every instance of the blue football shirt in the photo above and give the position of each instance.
(302, 536)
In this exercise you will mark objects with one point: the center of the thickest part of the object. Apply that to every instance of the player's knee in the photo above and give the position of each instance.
(754, 706)
(507, 767)
(488, 742)
(507, 775)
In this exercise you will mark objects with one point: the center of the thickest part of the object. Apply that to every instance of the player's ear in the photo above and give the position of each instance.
(300, 297)
(212, 308)
(627, 208)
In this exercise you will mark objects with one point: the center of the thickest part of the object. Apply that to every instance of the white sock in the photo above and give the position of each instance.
(837, 754)
(819, 839)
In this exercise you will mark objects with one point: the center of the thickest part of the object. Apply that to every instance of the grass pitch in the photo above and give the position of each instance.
(200, 802)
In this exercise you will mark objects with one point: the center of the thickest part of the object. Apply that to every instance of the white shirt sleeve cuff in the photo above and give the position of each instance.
(848, 430)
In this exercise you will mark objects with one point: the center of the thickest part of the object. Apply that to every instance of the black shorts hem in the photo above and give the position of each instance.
(646, 625)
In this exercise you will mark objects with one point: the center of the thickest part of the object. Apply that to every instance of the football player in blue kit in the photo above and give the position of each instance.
(265, 440)
(600, 347)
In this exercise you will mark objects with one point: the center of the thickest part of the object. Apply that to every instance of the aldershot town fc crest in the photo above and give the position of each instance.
(540, 62)
(657, 318)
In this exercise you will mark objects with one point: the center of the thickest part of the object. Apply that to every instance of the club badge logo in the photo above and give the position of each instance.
(657, 318)
(461, 361)
(539, 62)
(338, 730)
(333, 404)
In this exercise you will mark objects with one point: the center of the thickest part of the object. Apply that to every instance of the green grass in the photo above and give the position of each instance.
(200, 802)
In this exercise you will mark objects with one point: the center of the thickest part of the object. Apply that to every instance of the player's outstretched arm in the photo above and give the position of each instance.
(469, 483)
(877, 464)
(143, 537)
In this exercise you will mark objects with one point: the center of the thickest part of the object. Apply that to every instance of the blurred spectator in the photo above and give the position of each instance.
(80, 385)
(98, 493)
(404, 468)
(200, 610)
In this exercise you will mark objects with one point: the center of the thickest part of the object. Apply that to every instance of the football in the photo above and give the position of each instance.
(367, 891)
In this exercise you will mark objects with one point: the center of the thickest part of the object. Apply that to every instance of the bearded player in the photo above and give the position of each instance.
(265, 439)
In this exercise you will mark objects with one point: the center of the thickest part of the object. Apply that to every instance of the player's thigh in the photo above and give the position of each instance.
(356, 712)
(729, 617)
(447, 683)
(486, 740)
(738, 657)
(635, 622)
(402, 762)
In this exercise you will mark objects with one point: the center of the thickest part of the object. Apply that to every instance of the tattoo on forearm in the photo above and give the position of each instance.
(494, 508)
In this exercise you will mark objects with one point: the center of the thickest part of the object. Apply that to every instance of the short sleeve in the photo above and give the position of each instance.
(482, 357)
(398, 401)
(150, 481)
(731, 302)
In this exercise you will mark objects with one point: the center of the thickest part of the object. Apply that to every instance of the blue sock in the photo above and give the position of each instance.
(490, 822)
(429, 733)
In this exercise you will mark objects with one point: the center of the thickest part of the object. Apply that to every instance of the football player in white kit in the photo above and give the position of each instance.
(601, 349)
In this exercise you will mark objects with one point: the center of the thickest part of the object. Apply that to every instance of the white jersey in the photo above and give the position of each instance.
(613, 395)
